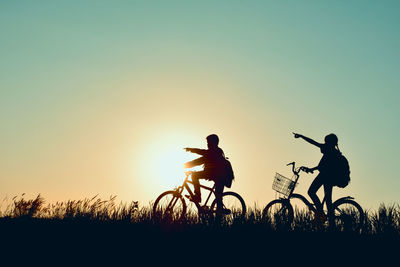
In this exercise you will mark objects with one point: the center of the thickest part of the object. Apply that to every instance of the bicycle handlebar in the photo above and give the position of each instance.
(295, 170)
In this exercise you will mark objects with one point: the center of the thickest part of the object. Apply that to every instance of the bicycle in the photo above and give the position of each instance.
(347, 213)
(172, 204)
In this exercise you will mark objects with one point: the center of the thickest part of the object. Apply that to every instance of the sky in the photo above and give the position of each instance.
(101, 97)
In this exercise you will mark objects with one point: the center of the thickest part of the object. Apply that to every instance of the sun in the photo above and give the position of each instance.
(169, 165)
(163, 161)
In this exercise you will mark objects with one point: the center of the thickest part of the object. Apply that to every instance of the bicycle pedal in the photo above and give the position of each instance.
(227, 211)
(224, 212)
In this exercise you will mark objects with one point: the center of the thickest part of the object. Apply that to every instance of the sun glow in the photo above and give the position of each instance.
(163, 162)
(169, 165)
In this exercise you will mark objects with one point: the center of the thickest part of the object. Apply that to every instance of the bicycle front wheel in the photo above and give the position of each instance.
(233, 205)
(279, 212)
(169, 205)
(349, 216)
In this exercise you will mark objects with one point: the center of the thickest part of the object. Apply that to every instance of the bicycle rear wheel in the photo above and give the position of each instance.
(349, 216)
(233, 205)
(279, 213)
(169, 205)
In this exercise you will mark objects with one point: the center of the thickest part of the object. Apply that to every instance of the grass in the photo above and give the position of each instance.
(96, 225)
(384, 221)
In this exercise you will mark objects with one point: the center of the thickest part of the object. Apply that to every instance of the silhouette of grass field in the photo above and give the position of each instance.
(384, 221)
(103, 226)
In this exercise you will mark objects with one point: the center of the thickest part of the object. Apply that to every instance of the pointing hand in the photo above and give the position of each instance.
(296, 135)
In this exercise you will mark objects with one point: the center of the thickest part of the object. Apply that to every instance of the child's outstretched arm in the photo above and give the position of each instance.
(309, 140)
(196, 150)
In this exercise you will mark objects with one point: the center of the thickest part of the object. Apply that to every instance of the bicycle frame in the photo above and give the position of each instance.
(185, 185)
(308, 203)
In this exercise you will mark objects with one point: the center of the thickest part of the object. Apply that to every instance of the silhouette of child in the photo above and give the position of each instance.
(330, 151)
(212, 158)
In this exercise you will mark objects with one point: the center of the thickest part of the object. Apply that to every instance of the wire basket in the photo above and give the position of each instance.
(283, 185)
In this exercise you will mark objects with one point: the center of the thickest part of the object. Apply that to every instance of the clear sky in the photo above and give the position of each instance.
(101, 97)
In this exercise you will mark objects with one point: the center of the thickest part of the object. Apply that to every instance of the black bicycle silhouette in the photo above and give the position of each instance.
(172, 204)
(347, 213)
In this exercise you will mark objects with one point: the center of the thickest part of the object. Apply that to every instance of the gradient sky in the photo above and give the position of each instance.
(100, 97)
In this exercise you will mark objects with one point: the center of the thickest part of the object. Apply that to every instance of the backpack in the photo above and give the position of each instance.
(342, 172)
(228, 172)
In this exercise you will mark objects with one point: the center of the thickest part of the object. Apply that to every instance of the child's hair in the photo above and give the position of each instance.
(332, 140)
(213, 139)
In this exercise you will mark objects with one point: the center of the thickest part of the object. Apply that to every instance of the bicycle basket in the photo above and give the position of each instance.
(283, 185)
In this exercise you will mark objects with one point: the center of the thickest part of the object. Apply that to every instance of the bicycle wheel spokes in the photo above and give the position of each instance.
(302, 213)
(279, 213)
(349, 216)
(233, 206)
(169, 205)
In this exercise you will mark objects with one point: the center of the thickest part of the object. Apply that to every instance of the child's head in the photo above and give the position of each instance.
(331, 140)
(212, 140)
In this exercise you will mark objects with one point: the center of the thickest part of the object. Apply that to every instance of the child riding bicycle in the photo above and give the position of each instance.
(213, 160)
(326, 166)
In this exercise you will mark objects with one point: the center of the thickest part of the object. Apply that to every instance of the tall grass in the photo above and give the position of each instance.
(384, 221)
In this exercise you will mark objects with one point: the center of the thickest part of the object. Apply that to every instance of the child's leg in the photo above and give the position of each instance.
(195, 178)
(219, 189)
(328, 198)
(312, 192)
